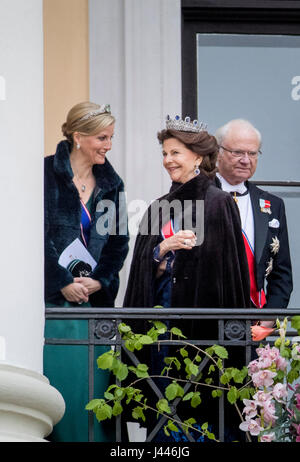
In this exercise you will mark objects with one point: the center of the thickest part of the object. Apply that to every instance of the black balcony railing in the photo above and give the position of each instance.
(232, 330)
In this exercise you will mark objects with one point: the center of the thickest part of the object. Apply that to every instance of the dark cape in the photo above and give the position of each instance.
(212, 274)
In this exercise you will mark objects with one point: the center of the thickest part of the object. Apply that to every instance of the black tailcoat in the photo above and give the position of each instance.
(278, 280)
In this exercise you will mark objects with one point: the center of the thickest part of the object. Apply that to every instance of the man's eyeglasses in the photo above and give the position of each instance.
(238, 154)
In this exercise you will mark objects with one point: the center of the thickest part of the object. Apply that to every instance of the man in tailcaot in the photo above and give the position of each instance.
(263, 218)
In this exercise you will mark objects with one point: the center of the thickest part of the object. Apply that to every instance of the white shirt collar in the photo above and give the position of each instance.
(240, 188)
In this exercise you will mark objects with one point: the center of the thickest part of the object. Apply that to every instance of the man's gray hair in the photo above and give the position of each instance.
(222, 131)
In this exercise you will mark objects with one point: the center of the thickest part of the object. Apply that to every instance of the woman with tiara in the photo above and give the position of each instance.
(78, 180)
(189, 251)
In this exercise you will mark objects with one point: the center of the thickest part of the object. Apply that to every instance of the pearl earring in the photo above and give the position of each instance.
(78, 146)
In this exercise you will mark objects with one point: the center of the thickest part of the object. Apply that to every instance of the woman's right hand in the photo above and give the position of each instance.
(183, 239)
(75, 292)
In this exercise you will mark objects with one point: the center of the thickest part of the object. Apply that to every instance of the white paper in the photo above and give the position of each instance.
(76, 250)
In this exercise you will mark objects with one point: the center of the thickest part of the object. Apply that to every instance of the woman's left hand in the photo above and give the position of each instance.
(90, 284)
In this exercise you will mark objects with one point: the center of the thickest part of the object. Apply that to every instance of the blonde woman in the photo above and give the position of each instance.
(84, 205)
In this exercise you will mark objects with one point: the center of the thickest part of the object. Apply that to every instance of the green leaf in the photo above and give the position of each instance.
(105, 361)
(220, 351)
(117, 408)
(183, 352)
(295, 322)
(160, 326)
(142, 367)
(93, 404)
(172, 426)
(224, 379)
(171, 391)
(187, 423)
(108, 395)
(121, 371)
(138, 413)
(244, 393)
(104, 412)
(232, 395)
(196, 399)
(204, 426)
(216, 393)
(166, 430)
(210, 436)
(123, 328)
(211, 368)
(145, 340)
(163, 406)
(177, 332)
(188, 396)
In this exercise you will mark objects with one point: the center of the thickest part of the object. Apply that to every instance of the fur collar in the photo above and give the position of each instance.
(106, 177)
(192, 189)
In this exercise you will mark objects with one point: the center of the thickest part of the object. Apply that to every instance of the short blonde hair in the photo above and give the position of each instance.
(88, 126)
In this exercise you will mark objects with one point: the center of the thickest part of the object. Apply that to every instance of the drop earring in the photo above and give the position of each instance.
(196, 170)
(78, 146)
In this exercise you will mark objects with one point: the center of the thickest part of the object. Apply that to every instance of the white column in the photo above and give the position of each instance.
(135, 65)
(22, 413)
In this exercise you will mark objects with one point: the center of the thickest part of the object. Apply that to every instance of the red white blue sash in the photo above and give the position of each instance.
(168, 230)
(85, 223)
(258, 298)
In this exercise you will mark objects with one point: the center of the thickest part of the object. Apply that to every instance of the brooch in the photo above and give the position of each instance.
(275, 245)
(269, 267)
(265, 206)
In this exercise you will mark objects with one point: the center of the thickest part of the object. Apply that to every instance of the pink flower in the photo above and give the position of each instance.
(269, 413)
(263, 378)
(253, 367)
(279, 391)
(261, 398)
(297, 396)
(267, 438)
(250, 408)
(281, 363)
(252, 426)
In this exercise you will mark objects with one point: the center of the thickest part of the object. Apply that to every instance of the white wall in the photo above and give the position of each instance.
(21, 176)
(135, 65)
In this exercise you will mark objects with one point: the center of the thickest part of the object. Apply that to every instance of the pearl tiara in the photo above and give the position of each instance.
(105, 108)
(185, 125)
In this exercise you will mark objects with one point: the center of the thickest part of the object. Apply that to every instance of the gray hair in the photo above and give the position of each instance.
(222, 131)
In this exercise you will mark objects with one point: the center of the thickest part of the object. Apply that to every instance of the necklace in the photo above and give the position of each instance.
(82, 185)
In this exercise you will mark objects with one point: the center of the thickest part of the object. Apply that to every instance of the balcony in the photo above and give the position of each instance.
(226, 327)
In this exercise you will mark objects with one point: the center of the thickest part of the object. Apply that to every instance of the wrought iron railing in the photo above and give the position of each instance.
(232, 327)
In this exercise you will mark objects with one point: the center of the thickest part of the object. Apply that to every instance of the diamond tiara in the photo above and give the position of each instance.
(185, 125)
(102, 110)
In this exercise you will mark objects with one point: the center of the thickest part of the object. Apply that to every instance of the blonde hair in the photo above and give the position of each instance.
(88, 126)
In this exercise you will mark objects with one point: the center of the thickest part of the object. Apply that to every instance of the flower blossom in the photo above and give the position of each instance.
(260, 332)
(263, 378)
(252, 426)
(297, 427)
(279, 391)
(261, 397)
(253, 366)
(250, 408)
(267, 437)
(297, 396)
(269, 413)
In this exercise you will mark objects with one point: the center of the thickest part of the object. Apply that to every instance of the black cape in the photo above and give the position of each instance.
(211, 275)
